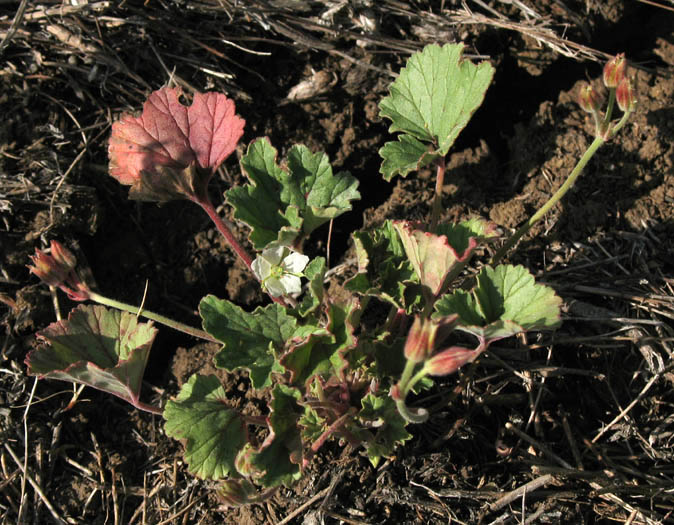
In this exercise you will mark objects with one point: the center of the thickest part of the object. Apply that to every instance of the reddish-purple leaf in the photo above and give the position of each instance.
(171, 150)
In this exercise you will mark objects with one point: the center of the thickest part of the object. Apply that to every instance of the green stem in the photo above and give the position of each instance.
(568, 184)
(418, 416)
(602, 135)
(405, 384)
(101, 299)
(437, 198)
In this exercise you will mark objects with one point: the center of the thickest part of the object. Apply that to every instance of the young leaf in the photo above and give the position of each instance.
(505, 301)
(383, 268)
(280, 455)
(381, 412)
(102, 348)
(315, 272)
(434, 259)
(214, 434)
(171, 151)
(323, 352)
(312, 425)
(431, 101)
(251, 340)
(281, 203)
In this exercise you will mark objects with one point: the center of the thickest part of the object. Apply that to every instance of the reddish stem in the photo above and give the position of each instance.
(437, 199)
(226, 232)
(148, 408)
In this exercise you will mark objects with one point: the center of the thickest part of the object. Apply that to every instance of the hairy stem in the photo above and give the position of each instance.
(604, 133)
(101, 299)
(568, 184)
(224, 228)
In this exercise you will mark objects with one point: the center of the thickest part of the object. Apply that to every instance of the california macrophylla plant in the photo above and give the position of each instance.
(328, 376)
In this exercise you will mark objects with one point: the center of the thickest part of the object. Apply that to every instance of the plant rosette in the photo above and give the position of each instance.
(327, 375)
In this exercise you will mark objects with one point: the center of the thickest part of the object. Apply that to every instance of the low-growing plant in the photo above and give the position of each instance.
(328, 376)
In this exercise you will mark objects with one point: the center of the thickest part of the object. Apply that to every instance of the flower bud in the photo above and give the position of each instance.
(449, 361)
(47, 269)
(63, 256)
(625, 96)
(420, 340)
(589, 99)
(614, 71)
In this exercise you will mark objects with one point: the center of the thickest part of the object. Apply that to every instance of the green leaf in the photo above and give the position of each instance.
(280, 203)
(251, 340)
(432, 100)
(459, 235)
(214, 434)
(383, 268)
(381, 412)
(505, 301)
(266, 221)
(280, 455)
(315, 272)
(404, 156)
(312, 425)
(102, 348)
(323, 352)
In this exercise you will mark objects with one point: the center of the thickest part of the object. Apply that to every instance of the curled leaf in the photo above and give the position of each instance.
(102, 348)
(171, 150)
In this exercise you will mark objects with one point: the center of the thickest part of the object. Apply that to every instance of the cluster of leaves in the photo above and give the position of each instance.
(328, 377)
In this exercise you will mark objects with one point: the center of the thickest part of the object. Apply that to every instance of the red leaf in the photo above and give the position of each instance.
(170, 135)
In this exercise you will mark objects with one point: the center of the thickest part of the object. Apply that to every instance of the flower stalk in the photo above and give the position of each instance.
(615, 80)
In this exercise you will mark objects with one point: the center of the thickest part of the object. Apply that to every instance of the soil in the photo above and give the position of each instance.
(606, 249)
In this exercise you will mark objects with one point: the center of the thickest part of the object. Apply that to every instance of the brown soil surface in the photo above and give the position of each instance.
(606, 248)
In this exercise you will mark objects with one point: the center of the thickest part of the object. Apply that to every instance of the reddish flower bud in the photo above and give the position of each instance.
(63, 256)
(57, 270)
(589, 99)
(48, 269)
(449, 361)
(625, 96)
(420, 340)
(614, 71)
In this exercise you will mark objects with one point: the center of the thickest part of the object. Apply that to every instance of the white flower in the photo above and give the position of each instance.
(279, 270)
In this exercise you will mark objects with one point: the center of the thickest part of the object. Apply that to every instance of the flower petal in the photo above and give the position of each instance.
(274, 287)
(274, 255)
(291, 284)
(261, 268)
(295, 262)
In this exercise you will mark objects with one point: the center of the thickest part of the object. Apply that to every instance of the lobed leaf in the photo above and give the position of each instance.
(279, 457)
(383, 268)
(159, 153)
(315, 272)
(382, 413)
(250, 340)
(102, 348)
(322, 353)
(434, 259)
(297, 198)
(505, 301)
(214, 434)
(431, 101)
